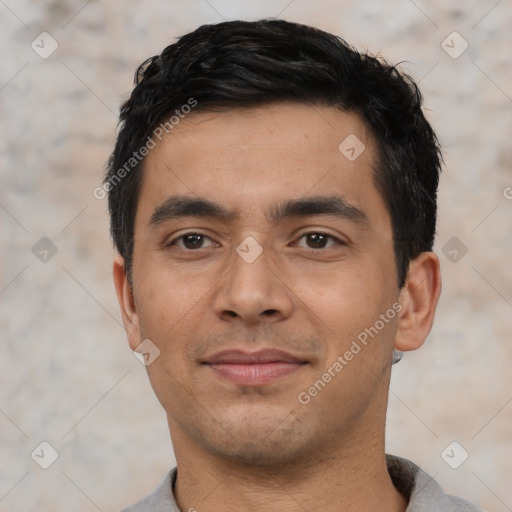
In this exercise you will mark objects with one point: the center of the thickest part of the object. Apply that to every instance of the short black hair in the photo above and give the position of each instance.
(239, 64)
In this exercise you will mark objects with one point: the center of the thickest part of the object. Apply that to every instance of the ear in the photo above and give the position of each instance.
(126, 303)
(418, 299)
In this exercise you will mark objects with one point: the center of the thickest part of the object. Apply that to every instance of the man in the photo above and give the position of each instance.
(272, 196)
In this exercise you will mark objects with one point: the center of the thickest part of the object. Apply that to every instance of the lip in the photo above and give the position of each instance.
(254, 368)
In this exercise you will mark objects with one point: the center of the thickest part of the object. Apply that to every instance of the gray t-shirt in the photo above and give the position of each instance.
(422, 491)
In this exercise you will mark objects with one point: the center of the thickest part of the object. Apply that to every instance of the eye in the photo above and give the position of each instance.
(318, 240)
(191, 241)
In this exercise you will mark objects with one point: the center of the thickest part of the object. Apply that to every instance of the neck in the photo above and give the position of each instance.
(349, 476)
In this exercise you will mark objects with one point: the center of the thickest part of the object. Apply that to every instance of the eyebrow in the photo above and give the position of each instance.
(177, 207)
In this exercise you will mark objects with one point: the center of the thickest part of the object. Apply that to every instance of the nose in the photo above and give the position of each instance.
(253, 292)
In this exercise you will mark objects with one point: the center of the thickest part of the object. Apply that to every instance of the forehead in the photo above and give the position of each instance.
(296, 128)
(253, 158)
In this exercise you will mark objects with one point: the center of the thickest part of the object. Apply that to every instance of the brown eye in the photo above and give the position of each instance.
(317, 240)
(192, 241)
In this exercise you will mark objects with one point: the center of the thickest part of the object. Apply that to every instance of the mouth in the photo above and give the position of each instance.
(254, 368)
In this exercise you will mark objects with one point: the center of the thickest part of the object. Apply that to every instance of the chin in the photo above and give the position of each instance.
(264, 440)
(262, 453)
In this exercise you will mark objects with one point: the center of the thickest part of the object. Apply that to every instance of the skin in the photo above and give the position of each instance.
(258, 448)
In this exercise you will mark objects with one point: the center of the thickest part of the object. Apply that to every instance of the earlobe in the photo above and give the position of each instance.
(418, 299)
(126, 302)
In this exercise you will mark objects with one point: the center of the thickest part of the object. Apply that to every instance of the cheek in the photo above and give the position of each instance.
(169, 316)
(346, 306)
(167, 302)
(349, 294)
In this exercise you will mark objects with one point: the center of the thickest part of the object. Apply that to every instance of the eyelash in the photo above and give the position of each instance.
(329, 236)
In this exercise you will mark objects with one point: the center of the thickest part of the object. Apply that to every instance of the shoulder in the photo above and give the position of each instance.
(422, 491)
(161, 500)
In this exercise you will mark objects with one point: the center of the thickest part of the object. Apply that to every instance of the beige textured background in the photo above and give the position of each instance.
(67, 374)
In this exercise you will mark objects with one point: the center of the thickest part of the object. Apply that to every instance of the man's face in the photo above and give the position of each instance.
(244, 335)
